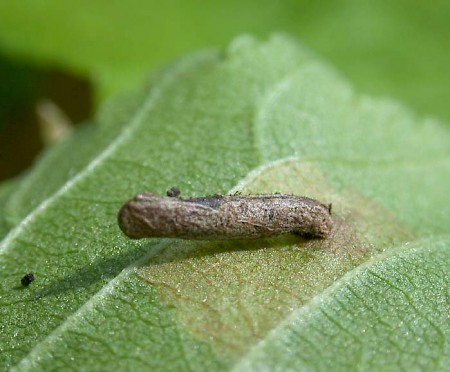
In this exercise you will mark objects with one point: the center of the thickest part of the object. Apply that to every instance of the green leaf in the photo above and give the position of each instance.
(256, 117)
(390, 314)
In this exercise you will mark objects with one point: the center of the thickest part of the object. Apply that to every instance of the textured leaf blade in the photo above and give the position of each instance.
(390, 314)
(211, 122)
(76, 226)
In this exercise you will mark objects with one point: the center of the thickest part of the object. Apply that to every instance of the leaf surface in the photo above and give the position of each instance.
(389, 314)
(256, 117)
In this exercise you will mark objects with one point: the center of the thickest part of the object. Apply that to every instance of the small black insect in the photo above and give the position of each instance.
(27, 279)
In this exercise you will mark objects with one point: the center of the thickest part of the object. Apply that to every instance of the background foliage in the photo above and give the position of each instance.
(395, 48)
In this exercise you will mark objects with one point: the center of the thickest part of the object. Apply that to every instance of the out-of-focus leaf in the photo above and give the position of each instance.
(391, 47)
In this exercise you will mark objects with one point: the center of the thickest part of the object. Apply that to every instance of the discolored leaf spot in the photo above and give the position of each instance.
(250, 286)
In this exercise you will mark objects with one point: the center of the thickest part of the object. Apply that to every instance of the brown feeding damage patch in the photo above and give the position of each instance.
(232, 293)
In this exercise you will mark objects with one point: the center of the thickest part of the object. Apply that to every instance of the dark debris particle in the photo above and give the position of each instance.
(173, 192)
(27, 279)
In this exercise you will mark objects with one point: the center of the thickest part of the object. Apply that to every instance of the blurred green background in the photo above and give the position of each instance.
(79, 53)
